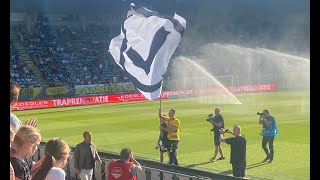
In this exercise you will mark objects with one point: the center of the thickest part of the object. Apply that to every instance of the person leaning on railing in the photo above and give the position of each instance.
(124, 168)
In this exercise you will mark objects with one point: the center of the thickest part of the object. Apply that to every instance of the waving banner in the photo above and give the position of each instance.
(144, 47)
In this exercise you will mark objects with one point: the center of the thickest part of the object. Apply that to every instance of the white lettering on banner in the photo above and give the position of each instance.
(130, 97)
(32, 103)
(101, 99)
(79, 101)
(176, 93)
(253, 88)
(67, 102)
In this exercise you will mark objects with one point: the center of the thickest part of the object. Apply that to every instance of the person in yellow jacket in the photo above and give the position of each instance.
(173, 125)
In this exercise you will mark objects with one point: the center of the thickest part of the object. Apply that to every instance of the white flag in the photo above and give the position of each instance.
(144, 47)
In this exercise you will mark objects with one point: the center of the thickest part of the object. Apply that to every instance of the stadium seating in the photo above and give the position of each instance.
(19, 71)
(70, 55)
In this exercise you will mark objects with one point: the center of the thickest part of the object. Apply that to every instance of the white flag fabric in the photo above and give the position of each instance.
(144, 47)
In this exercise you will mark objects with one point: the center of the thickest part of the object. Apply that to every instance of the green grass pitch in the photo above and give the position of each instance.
(136, 125)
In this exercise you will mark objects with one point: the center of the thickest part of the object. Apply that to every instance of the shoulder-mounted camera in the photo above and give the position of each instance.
(210, 117)
(259, 113)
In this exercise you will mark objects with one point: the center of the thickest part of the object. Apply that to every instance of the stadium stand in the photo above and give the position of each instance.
(19, 71)
(72, 53)
(69, 55)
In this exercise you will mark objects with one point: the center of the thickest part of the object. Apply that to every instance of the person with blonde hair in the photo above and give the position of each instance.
(25, 144)
(56, 156)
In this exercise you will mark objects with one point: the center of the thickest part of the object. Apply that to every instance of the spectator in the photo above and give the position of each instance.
(56, 157)
(124, 168)
(12, 134)
(84, 156)
(238, 151)
(25, 144)
(15, 123)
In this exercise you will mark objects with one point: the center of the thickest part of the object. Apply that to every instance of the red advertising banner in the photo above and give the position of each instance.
(253, 88)
(78, 101)
(115, 98)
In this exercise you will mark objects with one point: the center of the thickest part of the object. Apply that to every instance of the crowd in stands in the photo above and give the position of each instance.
(19, 71)
(69, 54)
(73, 54)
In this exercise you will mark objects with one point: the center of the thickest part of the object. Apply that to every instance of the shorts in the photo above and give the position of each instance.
(173, 144)
(216, 138)
(163, 144)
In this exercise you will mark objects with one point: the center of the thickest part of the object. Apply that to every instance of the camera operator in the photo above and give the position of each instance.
(238, 150)
(268, 132)
(218, 123)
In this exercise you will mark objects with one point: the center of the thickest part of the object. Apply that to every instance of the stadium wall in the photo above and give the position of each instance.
(130, 97)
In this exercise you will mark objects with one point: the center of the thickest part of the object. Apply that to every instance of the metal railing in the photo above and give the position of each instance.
(151, 170)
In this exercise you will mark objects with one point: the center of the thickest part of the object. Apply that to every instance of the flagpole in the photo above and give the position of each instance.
(160, 99)
(160, 111)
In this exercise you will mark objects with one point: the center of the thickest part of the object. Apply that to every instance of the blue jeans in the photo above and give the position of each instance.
(173, 146)
(268, 140)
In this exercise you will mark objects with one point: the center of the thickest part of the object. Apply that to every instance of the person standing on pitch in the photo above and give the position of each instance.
(218, 123)
(269, 130)
(173, 134)
(162, 143)
(85, 155)
(238, 145)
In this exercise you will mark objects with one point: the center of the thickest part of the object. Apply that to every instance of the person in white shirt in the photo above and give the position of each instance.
(56, 156)
(15, 123)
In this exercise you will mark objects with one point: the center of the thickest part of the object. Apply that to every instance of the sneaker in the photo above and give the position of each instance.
(266, 159)
(213, 159)
(270, 161)
(221, 158)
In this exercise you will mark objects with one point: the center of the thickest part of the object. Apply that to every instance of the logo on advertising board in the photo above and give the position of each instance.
(116, 172)
(21, 105)
(130, 97)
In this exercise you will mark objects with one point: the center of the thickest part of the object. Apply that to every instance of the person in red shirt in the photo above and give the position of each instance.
(125, 168)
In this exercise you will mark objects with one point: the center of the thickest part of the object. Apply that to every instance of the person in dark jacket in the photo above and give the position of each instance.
(85, 155)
